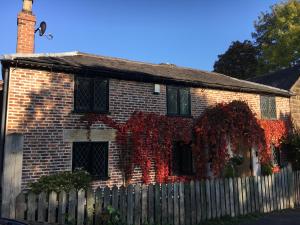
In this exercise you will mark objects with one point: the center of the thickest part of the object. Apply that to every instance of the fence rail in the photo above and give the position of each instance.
(178, 203)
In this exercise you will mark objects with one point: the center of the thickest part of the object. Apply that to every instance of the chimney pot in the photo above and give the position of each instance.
(27, 5)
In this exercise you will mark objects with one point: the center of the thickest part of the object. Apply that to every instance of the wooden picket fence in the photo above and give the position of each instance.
(172, 203)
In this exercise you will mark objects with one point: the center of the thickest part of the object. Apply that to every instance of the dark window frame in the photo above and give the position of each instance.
(105, 176)
(178, 113)
(92, 104)
(268, 114)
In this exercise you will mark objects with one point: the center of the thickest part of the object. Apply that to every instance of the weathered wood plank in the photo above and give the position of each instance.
(222, 197)
(170, 204)
(264, 197)
(291, 186)
(248, 196)
(137, 204)
(218, 200)
(144, 204)
(42, 206)
(187, 201)
(72, 206)
(80, 207)
(21, 206)
(52, 207)
(176, 204)
(208, 200)
(198, 201)
(252, 194)
(90, 202)
(203, 200)
(231, 200)
(256, 194)
(32, 204)
(236, 197)
(62, 206)
(99, 205)
(157, 203)
(181, 204)
(280, 187)
(123, 204)
(151, 204)
(106, 199)
(213, 199)
(273, 194)
(130, 204)
(193, 202)
(244, 195)
(164, 203)
(115, 197)
(240, 192)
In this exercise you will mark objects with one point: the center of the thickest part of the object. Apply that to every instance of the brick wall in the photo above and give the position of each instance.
(26, 27)
(41, 107)
(295, 104)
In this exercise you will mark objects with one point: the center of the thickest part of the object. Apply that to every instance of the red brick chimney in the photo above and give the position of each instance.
(26, 28)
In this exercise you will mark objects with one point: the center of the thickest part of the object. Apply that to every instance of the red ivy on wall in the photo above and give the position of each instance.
(274, 131)
(232, 121)
(149, 137)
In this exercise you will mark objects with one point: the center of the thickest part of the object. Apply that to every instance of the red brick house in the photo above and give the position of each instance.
(44, 96)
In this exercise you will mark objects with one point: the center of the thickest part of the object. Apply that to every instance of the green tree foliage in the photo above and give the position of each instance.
(277, 36)
(240, 60)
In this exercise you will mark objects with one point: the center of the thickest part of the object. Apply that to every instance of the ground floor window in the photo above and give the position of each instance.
(182, 159)
(92, 157)
(275, 156)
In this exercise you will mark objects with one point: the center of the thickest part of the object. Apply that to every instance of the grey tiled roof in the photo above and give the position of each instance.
(126, 69)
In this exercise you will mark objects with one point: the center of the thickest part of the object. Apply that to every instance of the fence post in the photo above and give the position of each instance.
(291, 185)
(12, 174)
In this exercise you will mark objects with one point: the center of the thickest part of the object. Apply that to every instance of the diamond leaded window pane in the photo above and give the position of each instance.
(83, 94)
(100, 95)
(91, 94)
(178, 101)
(92, 157)
(100, 159)
(172, 101)
(268, 107)
(184, 99)
(81, 152)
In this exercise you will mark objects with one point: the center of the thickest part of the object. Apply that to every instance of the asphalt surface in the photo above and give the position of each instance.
(289, 217)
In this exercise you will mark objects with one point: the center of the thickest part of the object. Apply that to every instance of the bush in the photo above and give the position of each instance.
(266, 169)
(64, 181)
(291, 147)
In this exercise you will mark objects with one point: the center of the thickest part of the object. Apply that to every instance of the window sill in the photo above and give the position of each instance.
(95, 179)
(84, 112)
(178, 115)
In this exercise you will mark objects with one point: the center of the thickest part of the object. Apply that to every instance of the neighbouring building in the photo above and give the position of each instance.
(45, 95)
(286, 79)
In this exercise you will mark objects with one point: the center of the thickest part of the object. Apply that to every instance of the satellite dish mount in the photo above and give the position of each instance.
(42, 29)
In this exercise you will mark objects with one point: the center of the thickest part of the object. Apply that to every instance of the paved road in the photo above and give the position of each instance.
(291, 217)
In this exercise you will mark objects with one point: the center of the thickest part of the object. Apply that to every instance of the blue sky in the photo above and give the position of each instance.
(184, 32)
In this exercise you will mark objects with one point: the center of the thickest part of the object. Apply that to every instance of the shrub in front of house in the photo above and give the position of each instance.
(63, 181)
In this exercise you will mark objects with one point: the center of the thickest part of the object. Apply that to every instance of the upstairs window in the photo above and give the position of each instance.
(92, 157)
(268, 107)
(178, 101)
(182, 159)
(91, 95)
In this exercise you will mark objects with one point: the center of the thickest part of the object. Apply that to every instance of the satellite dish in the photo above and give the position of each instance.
(42, 28)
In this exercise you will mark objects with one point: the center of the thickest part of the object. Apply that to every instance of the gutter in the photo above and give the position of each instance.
(6, 72)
